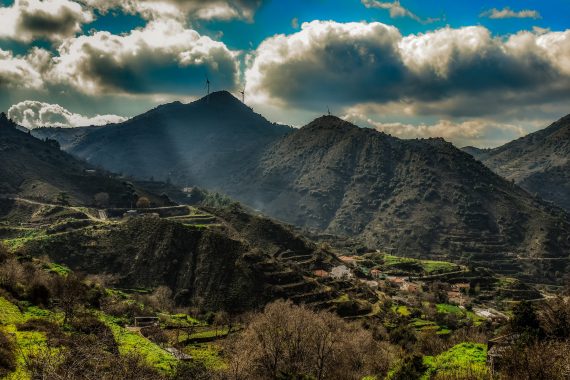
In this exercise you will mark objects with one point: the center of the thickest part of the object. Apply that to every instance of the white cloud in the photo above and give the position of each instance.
(54, 20)
(162, 57)
(181, 9)
(454, 72)
(479, 132)
(396, 10)
(23, 72)
(509, 13)
(34, 114)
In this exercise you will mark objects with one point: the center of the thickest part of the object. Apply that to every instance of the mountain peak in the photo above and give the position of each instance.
(328, 122)
(223, 98)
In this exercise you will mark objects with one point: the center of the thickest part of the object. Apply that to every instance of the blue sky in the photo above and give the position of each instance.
(477, 72)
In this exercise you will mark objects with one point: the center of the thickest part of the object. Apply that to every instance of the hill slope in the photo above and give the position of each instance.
(199, 143)
(411, 197)
(538, 162)
(32, 168)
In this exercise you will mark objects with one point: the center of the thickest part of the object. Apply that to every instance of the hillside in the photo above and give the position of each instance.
(538, 162)
(36, 169)
(221, 259)
(200, 143)
(410, 197)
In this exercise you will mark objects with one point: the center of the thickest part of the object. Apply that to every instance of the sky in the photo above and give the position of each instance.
(473, 72)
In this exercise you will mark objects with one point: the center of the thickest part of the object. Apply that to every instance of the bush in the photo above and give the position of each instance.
(7, 354)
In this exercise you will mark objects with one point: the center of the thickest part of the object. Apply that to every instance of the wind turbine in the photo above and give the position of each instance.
(328, 110)
(242, 92)
(208, 87)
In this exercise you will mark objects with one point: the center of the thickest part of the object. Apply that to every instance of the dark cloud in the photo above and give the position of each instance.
(164, 57)
(349, 64)
(54, 20)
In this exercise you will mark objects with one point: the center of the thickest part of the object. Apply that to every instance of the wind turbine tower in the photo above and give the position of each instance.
(242, 92)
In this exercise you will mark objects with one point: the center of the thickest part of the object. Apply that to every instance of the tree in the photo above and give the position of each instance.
(143, 202)
(69, 292)
(292, 342)
(101, 199)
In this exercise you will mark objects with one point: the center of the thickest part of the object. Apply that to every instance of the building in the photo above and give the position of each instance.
(350, 260)
(376, 273)
(410, 287)
(340, 272)
(321, 273)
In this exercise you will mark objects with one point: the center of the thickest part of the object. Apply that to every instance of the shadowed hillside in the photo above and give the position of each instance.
(538, 162)
(199, 143)
(411, 197)
(36, 169)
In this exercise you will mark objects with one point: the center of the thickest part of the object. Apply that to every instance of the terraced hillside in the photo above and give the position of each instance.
(419, 198)
(216, 259)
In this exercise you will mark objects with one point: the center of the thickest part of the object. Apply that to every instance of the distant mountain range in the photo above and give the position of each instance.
(538, 162)
(422, 198)
(201, 143)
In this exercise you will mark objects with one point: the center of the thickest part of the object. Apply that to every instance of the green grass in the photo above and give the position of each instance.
(208, 354)
(391, 262)
(401, 310)
(449, 309)
(461, 359)
(26, 341)
(461, 313)
(130, 342)
(9, 313)
(179, 320)
(59, 269)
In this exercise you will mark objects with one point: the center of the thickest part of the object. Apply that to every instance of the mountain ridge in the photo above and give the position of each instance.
(539, 162)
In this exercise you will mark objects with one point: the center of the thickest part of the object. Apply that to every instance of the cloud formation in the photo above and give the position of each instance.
(33, 114)
(509, 13)
(481, 132)
(397, 10)
(23, 72)
(54, 20)
(162, 57)
(180, 9)
(435, 72)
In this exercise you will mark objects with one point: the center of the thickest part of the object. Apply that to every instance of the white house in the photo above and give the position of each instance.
(341, 271)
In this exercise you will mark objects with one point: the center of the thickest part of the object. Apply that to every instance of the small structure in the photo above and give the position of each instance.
(410, 287)
(130, 214)
(376, 273)
(372, 284)
(321, 273)
(461, 287)
(350, 260)
(340, 272)
(456, 297)
(496, 349)
(146, 321)
(178, 354)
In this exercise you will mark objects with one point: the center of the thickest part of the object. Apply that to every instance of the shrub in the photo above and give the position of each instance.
(7, 354)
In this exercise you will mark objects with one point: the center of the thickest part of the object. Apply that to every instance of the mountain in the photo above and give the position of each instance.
(40, 170)
(421, 198)
(538, 162)
(220, 259)
(200, 143)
